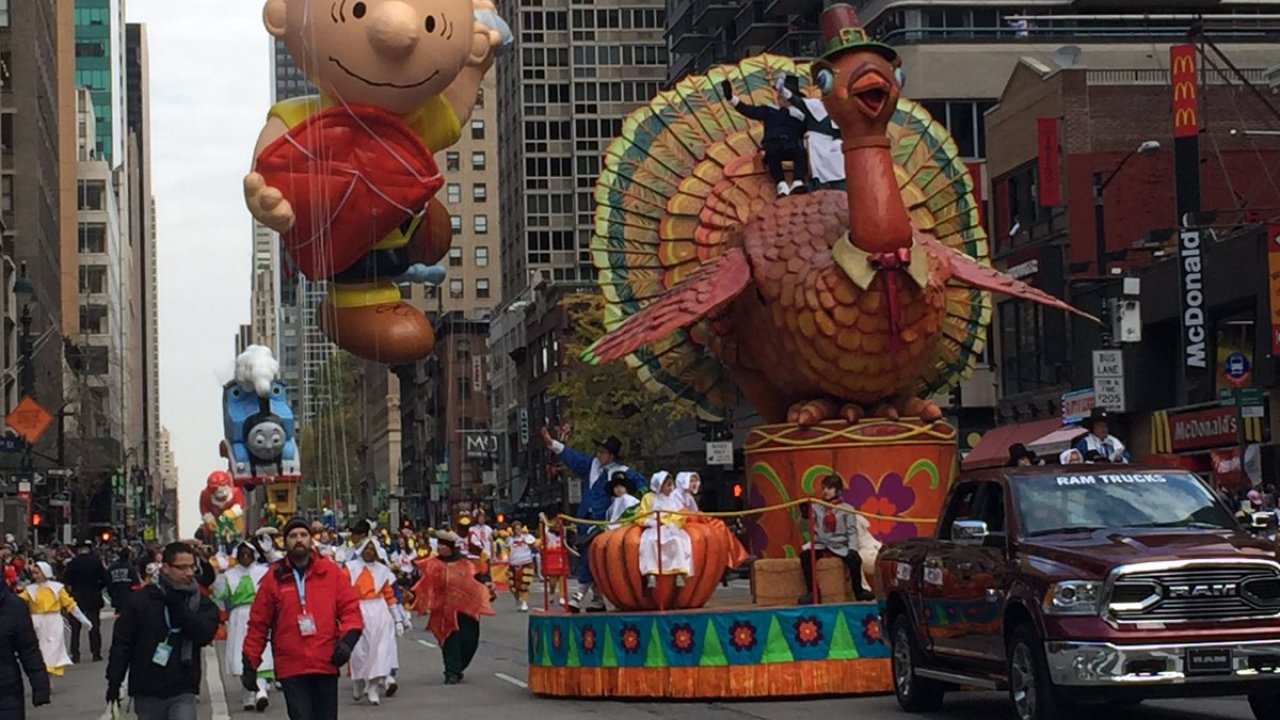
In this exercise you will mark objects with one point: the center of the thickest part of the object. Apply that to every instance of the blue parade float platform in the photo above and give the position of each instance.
(710, 653)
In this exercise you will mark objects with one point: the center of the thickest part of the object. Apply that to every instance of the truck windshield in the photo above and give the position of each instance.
(1073, 502)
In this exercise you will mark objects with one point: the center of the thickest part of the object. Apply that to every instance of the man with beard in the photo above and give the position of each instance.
(158, 638)
(86, 578)
(311, 613)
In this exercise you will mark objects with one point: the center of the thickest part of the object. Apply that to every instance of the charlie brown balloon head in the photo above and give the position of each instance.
(394, 54)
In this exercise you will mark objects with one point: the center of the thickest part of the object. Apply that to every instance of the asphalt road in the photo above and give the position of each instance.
(495, 687)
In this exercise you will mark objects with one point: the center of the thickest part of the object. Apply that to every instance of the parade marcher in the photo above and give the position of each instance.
(480, 540)
(1098, 439)
(122, 578)
(841, 533)
(623, 503)
(822, 140)
(374, 656)
(308, 610)
(594, 472)
(669, 552)
(156, 643)
(47, 599)
(551, 543)
(520, 562)
(456, 596)
(19, 645)
(783, 139)
(86, 577)
(234, 591)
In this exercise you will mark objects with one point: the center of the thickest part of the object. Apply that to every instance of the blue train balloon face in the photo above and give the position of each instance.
(260, 442)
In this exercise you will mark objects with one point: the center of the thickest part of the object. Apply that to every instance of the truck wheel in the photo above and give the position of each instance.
(915, 694)
(1030, 689)
(1265, 707)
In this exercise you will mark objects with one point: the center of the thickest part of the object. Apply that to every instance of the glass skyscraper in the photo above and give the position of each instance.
(100, 48)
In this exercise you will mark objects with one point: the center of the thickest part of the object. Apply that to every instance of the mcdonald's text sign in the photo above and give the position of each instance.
(1182, 78)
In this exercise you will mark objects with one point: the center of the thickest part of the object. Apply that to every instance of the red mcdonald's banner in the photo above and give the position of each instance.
(1049, 163)
(1183, 82)
(1273, 283)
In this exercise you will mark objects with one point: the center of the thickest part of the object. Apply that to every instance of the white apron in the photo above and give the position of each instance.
(826, 153)
(52, 633)
(375, 654)
(677, 548)
(238, 619)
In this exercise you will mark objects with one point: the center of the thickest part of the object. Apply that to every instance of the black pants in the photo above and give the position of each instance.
(777, 153)
(461, 646)
(13, 701)
(95, 631)
(852, 561)
(311, 697)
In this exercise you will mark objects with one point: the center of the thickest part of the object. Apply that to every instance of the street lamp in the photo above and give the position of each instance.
(24, 291)
(1100, 184)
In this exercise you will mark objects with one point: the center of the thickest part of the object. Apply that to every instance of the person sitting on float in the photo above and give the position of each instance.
(623, 508)
(675, 554)
(838, 532)
(1098, 439)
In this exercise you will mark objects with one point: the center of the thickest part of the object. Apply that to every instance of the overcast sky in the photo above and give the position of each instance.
(209, 96)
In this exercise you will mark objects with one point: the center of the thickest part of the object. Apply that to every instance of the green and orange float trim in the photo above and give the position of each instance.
(835, 649)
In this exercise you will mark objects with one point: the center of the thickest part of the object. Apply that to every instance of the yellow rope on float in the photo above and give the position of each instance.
(752, 511)
(761, 436)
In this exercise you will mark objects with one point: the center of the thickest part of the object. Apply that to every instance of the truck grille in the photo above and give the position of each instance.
(1186, 594)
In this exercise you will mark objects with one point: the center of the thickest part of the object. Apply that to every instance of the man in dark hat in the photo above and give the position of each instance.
(86, 578)
(1098, 441)
(1019, 456)
(594, 472)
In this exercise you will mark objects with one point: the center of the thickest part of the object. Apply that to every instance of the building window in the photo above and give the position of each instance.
(481, 224)
(93, 279)
(455, 222)
(93, 194)
(93, 238)
(93, 319)
(966, 122)
(480, 98)
(6, 193)
(455, 257)
(455, 192)
(482, 287)
(478, 160)
(1024, 366)
(479, 192)
(482, 256)
(455, 288)
(452, 160)
(477, 129)
(4, 13)
(95, 359)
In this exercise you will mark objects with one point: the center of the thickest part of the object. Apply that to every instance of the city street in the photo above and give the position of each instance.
(494, 685)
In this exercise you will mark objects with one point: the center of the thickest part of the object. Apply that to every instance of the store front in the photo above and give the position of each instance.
(1212, 440)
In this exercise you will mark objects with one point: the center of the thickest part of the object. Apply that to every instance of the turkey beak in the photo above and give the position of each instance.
(871, 92)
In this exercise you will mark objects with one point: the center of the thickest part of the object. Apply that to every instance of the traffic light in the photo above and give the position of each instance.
(406, 524)
(501, 518)
(105, 536)
(737, 490)
(36, 520)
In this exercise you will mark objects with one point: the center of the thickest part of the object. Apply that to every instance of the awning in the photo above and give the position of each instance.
(993, 449)
(1055, 442)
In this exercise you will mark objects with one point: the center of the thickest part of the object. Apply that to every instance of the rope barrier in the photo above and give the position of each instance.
(752, 511)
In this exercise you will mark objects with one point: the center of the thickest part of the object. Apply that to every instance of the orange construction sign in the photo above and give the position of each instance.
(29, 419)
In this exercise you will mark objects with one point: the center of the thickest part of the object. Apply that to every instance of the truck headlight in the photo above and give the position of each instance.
(1073, 597)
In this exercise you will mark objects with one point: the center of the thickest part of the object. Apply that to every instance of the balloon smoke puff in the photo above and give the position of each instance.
(256, 366)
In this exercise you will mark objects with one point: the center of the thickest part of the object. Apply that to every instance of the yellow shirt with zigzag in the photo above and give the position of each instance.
(434, 122)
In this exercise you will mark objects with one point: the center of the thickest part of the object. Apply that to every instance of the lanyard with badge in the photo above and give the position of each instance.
(165, 649)
(306, 623)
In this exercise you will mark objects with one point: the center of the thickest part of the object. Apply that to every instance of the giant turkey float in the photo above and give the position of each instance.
(836, 313)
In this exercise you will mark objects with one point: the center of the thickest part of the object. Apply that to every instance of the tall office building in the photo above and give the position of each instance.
(100, 66)
(579, 70)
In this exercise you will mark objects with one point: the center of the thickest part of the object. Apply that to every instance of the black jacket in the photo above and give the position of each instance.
(18, 643)
(121, 577)
(141, 628)
(781, 127)
(86, 578)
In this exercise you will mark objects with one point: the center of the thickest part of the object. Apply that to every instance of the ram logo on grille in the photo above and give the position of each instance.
(1202, 591)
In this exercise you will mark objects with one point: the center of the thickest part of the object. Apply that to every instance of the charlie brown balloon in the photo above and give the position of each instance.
(348, 177)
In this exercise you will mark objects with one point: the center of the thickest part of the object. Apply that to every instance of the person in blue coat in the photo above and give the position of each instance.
(594, 471)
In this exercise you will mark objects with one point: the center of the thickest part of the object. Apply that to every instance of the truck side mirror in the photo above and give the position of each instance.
(969, 532)
(1261, 520)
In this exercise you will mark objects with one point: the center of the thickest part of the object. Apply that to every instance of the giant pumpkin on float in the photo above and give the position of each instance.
(615, 566)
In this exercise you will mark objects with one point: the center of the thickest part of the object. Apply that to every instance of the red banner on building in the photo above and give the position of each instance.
(977, 170)
(1050, 164)
(1183, 82)
(1273, 274)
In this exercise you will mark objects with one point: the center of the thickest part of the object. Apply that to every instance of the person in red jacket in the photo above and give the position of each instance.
(309, 610)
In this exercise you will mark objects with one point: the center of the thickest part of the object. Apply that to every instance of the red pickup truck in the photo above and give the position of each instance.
(1084, 583)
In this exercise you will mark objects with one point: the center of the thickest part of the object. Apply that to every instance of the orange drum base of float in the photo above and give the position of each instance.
(720, 653)
(896, 474)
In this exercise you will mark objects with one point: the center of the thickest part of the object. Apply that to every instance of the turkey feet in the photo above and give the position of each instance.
(813, 412)
(909, 407)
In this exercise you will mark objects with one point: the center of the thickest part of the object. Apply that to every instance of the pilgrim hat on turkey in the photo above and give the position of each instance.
(842, 32)
(612, 444)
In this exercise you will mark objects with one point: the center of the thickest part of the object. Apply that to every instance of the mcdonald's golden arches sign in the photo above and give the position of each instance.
(1182, 78)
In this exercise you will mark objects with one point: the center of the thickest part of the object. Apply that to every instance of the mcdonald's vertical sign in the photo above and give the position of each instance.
(1050, 181)
(1182, 77)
